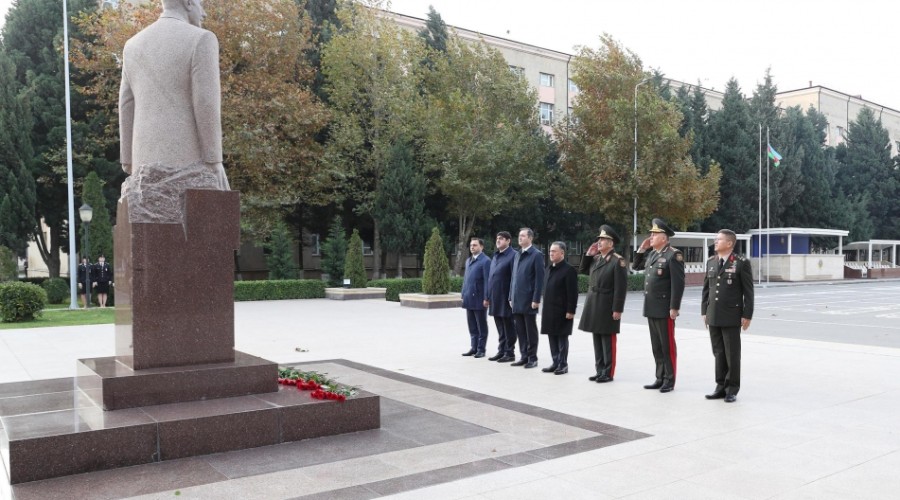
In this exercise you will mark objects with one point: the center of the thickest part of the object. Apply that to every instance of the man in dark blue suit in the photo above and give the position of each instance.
(474, 293)
(498, 298)
(525, 296)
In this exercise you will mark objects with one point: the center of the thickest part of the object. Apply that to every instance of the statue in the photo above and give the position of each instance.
(169, 112)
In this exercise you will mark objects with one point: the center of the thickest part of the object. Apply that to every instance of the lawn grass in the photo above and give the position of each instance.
(61, 315)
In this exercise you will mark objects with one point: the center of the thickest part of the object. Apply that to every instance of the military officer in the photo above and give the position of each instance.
(663, 288)
(727, 308)
(605, 300)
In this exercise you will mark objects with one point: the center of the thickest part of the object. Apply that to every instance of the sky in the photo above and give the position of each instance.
(846, 46)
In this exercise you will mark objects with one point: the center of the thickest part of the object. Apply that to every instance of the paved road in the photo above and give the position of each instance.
(865, 313)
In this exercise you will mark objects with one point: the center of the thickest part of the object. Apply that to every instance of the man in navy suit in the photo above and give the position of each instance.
(525, 296)
(498, 298)
(474, 294)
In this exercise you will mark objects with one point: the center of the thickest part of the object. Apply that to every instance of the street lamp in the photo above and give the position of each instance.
(634, 229)
(87, 213)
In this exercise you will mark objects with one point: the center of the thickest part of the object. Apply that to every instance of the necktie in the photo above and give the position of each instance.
(721, 263)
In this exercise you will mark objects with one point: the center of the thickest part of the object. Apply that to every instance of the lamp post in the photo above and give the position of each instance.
(87, 213)
(634, 228)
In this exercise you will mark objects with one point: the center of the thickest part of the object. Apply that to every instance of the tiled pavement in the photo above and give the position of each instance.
(813, 419)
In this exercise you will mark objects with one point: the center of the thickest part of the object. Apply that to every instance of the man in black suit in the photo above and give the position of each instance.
(497, 301)
(605, 301)
(727, 308)
(525, 296)
(663, 289)
(560, 302)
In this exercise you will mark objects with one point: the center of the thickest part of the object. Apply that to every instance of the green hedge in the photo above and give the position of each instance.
(456, 283)
(279, 290)
(57, 290)
(396, 286)
(635, 282)
(21, 301)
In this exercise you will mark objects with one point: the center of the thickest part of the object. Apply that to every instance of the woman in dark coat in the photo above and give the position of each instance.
(605, 300)
(560, 302)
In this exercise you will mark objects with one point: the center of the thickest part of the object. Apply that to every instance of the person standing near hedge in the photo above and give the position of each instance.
(498, 291)
(84, 279)
(474, 295)
(102, 276)
(560, 302)
(605, 300)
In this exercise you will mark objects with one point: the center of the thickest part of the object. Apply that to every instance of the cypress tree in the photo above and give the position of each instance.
(354, 268)
(334, 251)
(281, 259)
(101, 238)
(436, 279)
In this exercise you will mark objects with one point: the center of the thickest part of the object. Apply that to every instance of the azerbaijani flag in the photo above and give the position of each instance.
(776, 158)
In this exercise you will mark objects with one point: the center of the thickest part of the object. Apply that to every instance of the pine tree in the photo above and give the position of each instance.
(334, 251)
(101, 237)
(354, 267)
(435, 31)
(280, 260)
(436, 278)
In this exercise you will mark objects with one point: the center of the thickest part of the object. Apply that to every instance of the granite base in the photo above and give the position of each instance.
(424, 301)
(355, 293)
(42, 439)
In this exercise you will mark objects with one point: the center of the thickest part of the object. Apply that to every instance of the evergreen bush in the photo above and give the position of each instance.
(334, 251)
(9, 265)
(280, 260)
(436, 278)
(354, 267)
(21, 301)
(395, 286)
(278, 290)
(57, 290)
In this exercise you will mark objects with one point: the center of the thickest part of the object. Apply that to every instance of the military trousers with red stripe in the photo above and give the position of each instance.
(662, 340)
(605, 354)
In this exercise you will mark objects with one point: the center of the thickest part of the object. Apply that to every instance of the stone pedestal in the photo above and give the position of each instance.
(355, 293)
(424, 301)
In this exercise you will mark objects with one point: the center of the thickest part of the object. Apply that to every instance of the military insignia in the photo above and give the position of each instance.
(621, 262)
(679, 257)
(659, 272)
(661, 260)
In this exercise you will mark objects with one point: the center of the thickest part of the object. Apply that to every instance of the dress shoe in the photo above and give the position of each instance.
(506, 359)
(667, 387)
(731, 398)
(520, 362)
(531, 364)
(479, 354)
(551, 368)
(593, 378)
(604, 378)
(654, 385)
(495, 357)
(561, 371)
(716, 395)
(470, 352)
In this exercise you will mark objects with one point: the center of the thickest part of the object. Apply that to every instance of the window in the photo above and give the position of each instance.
(367, 249)
(546, 113)
(314, 241)
(842, 132)
(517, 69)
(546, 80)
(572, 87)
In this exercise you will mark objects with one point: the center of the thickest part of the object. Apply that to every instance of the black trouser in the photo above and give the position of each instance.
(478, 329)
(527, 331)
(506, 333)
(605, 354)
(559, 350)
(726, 347)
(662, 340)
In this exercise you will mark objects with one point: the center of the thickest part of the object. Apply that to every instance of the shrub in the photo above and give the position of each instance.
(583, 283)
(396, 286)
(436, 278)
(21, 301)
(354, 268)
(9, 265)
(57, 290)
(279, 290)
(334, 251)
(456, 284)
(281, 259)
(636, 282)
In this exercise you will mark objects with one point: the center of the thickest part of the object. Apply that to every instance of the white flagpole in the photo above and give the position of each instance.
(72, 233)
(768, 219)
(759, 237)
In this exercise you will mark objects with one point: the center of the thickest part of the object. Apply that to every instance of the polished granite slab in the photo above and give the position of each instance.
(430, 433)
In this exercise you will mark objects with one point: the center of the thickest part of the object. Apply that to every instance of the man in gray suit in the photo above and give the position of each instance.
(169, 101)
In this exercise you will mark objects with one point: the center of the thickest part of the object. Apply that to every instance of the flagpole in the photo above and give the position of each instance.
(759, 237)
(73, 302)
(768, 216)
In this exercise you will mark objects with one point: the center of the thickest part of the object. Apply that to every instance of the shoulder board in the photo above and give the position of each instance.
(617, 256)
(711, 259)
(675, 249)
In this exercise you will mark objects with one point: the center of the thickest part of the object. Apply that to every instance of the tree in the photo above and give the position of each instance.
(866, 168)
(101, 237)
(436, 277)
(9, 266)
(400, 205)
(598, 150)
(280, 260)
(270, 117)
(372, 79)
(355, 268)
(334, 252)
(484, 140)
(434, 34)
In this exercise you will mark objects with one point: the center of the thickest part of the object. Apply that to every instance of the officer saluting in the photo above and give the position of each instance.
(727, 307)
(663, 288)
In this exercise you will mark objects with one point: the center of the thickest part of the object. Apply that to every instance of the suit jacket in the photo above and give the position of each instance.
(84, 273)
(101, 273)
(663, 280)
(170, 98)
(527, 283)
(474, 290)
(727, 291)
(608, 283)
(498, 283)
(560, 297)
